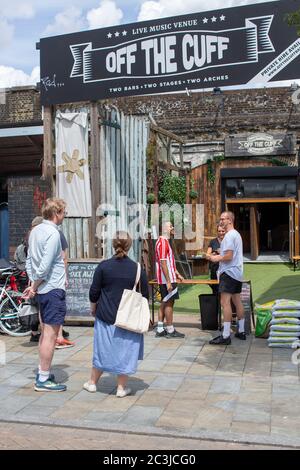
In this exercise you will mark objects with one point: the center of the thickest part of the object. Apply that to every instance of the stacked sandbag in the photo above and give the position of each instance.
(285, 324)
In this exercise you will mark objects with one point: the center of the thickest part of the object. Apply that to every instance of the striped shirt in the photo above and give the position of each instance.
(163, 251)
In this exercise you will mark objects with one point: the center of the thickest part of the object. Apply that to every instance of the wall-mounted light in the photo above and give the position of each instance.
(217, 91)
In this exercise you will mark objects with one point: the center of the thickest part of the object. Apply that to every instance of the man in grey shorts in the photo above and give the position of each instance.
(230, 277)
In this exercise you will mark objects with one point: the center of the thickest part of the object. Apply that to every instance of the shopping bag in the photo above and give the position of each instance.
(133, 312)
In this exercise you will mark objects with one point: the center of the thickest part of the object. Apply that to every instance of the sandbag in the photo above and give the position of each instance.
(286, 304)
(284, 313)
(289, 320)
(285, 327)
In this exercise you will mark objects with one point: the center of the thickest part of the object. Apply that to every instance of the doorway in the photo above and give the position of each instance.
(269, 228)
(4, 237)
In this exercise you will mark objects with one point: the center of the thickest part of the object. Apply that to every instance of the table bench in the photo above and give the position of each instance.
(206, 282)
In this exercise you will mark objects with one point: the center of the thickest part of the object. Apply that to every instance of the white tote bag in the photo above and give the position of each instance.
(133, 312)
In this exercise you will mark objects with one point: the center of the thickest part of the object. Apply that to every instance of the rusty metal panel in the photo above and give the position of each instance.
(124, 141)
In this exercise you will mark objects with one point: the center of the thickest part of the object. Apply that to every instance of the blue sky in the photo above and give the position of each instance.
(24, 22)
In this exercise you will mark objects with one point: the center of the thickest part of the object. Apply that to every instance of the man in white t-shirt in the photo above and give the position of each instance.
(230, 276)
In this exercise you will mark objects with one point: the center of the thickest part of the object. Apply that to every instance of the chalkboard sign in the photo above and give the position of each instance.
(80, 276)
(247, 301)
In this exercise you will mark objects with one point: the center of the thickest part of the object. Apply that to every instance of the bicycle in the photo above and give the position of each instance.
(11, 300)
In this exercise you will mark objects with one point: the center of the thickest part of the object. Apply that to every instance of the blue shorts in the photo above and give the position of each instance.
(53, 307)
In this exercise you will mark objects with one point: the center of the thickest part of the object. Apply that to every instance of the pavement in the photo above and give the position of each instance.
(184, 390)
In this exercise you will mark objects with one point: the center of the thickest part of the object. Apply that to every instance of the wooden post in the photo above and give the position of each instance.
(95, 244)
(48, 147)
(181, 155)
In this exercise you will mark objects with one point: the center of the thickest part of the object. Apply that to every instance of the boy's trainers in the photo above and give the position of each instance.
(35, 338)
(123, 392)
(49, 386)
(51, 377)
(240, 336)
(63, 344)
(161, 334)
(221, 340)
(92, 388)
(175, 334)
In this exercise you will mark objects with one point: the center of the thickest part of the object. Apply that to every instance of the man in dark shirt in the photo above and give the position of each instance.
(214, 249)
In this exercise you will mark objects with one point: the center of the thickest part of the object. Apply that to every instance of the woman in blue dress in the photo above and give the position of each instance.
(115, 350)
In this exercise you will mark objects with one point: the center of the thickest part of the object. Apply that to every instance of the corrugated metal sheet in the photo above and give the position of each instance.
(123, 159)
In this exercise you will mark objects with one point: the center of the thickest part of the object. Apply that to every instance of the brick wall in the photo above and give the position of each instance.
(200, 116)
(20, 105)
(205, 116)
(25, 197)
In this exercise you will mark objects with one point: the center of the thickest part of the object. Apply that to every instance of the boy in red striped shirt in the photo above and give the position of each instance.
(167, 276)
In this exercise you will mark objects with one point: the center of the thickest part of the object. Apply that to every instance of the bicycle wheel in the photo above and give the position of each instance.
(9, 317)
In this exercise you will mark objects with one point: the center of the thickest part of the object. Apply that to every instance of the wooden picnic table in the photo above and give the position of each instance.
(296, 260)
(206, 282)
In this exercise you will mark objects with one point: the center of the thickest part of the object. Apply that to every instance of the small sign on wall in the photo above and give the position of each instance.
(260, 144)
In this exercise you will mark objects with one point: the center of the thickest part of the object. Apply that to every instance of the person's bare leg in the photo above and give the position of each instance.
(161, 316)
(161, 312)
(122, 381)
(47, 345)
(169, 312)
(227, 312)
(60, 333)
(236, 299)
(240, 311)
(95, 376)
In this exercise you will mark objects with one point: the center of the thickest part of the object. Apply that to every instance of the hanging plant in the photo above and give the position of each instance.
(211, 176)
(172, 189)
(193, 194)
(211, 167)
(151, 198)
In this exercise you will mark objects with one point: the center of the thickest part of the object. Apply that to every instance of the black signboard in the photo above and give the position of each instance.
(251, 44)
(80, 276)
(260, 144)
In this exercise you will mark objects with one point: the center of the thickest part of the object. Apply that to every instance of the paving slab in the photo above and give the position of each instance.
(244, 393)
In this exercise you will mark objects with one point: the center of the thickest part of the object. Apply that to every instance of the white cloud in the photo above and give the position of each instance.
(10, 77)
(20, 9)
(7, 33)
(107, 14)
(151, 9)
(67, 21)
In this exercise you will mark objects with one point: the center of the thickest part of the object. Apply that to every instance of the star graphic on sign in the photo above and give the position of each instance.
(72, 166)
(124, 33)
(117, 34)
(222, 18)
(214, 19)
(205, 20)
(109, 35)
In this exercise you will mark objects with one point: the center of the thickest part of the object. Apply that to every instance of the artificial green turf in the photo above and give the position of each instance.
(269, 282)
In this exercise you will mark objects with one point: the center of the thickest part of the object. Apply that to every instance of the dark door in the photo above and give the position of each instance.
(4, 243)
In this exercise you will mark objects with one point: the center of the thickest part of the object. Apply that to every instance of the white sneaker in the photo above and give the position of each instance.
(123, 392)
(90, 387)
